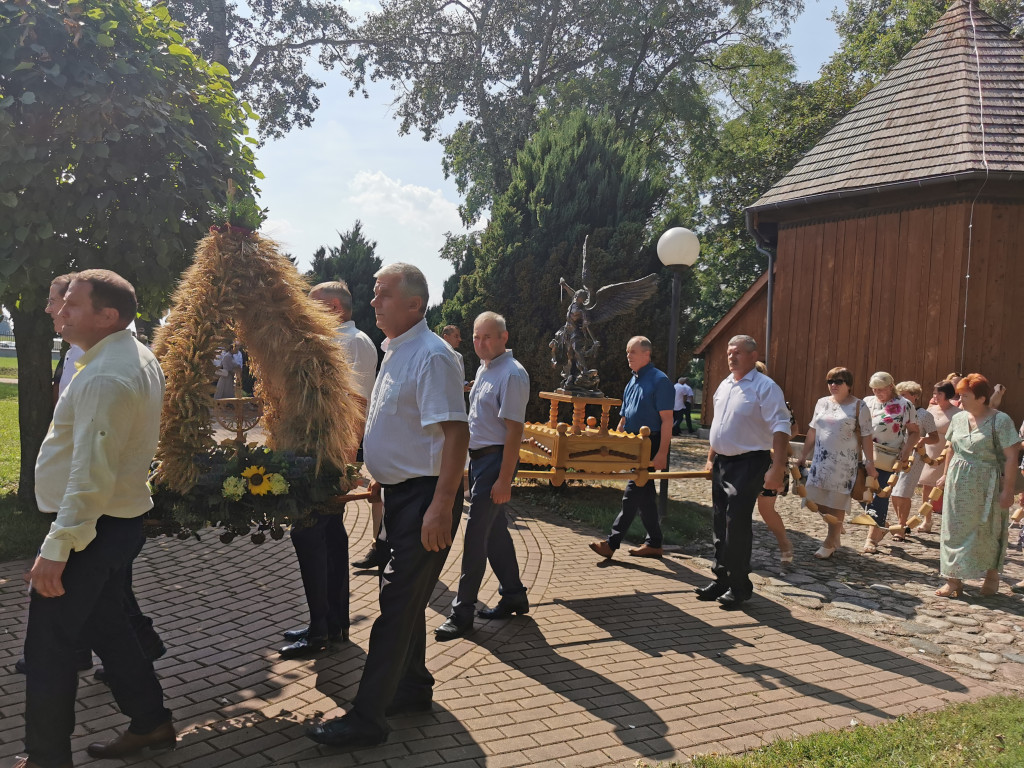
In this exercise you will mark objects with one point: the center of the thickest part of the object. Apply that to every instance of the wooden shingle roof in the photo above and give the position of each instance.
(923, 120)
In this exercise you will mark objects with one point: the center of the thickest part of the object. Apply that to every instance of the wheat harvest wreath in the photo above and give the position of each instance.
(240, 286)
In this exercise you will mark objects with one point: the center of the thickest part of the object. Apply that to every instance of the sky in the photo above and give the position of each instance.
(352, 164)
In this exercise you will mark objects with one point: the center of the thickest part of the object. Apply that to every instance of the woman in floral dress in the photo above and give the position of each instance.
(837, 440)
(979, 490)
(894, 433)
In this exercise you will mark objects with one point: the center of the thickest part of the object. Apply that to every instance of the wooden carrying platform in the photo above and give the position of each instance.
(587, 449)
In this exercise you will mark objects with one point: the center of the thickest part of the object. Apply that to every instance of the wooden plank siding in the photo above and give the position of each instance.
(887, 291)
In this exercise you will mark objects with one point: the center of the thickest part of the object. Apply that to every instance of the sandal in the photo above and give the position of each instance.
(899, 537)
(950, 591)
(870, 549)
(990, 588)
(1018, 588)
(786, 556)
(824, 553)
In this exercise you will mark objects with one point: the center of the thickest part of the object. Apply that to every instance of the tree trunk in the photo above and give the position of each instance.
(217, 16)
(33, 338)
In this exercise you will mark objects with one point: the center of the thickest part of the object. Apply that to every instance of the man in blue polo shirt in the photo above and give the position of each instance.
(647, 402)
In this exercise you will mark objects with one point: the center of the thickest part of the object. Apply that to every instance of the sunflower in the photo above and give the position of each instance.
(258, 485)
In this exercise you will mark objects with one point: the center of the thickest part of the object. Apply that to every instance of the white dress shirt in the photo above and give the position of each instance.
(748, 413)
(418, 387)
(361, 354)
(95, 458)
(500, 391)
(68, 371)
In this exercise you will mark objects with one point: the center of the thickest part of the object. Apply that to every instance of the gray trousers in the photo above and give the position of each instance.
(487, 540)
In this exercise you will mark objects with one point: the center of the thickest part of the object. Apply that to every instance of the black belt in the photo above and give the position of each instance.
(476, 453)
(742, 455)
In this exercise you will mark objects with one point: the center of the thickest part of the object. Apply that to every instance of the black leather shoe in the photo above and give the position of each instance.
(405, 705)
(294, 635)
(83, 659)
(712, 591)
(731, 601)
(374, 558)
(452, 630)
(304, 648)
(512, 604)
(346, 731)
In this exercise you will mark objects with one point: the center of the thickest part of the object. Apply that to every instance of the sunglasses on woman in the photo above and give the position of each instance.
(835, 382)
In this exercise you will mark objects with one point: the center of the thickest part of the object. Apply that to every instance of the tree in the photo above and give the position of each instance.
(115, 141)
(499, 63)
(355, 261)
(268, 47)
(577, 176)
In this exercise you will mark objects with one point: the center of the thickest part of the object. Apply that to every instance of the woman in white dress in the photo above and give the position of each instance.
(905, 486)
(839, 432)
(942, 409)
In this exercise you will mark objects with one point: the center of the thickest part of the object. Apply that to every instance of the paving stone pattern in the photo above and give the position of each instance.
(616, 661)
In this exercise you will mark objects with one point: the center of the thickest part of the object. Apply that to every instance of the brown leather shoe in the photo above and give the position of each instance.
(646, 551)
(602, 547)
(26, 763)
(128, 743)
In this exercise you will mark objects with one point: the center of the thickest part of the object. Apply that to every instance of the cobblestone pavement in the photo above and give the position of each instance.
(616, 661)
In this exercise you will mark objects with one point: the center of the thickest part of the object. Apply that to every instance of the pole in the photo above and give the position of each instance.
(673, 338)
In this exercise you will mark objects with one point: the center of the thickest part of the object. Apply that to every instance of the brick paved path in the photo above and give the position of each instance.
(616, 661)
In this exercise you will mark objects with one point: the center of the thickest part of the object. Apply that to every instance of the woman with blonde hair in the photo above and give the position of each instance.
(839, 433)
(980, 472)
(894, 432)
(905, 486)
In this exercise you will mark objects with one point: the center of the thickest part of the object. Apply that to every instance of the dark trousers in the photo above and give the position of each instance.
(322, 551)
(879, 506)
(642, 499)
(487, 540)
(396, 660)
(91, 613)
(677, 419)
(736, 482)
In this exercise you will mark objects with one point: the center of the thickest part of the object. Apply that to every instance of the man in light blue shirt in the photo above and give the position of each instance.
(497, 412)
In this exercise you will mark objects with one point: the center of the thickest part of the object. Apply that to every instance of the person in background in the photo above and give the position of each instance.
(894, 432)
(749, 445)
(646, 402)
(497, 413)
(682, 407)
(980, 476)
(905, 486)
(942, 409)
(839, 433)
(452, 335)
(766, 501)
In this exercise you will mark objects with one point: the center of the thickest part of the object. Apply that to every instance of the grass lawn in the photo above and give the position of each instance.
(597, 505)
(9, 367)
(20, 533)
(988, 733)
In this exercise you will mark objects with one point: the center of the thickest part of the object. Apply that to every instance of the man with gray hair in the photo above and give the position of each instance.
(647, 402)
(497, 412)
(750, 422)
(415, 449)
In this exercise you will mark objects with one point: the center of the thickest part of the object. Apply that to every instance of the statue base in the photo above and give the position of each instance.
(586, 445)
(589, 393)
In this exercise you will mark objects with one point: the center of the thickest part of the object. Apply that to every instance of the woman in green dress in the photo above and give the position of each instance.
(978, 484)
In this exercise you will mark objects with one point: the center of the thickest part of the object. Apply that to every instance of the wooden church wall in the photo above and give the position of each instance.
(887, 292)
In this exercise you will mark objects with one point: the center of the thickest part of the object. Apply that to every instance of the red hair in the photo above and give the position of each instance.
(978, 385)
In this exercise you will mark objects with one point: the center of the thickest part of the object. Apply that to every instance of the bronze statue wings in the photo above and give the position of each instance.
(618, 298)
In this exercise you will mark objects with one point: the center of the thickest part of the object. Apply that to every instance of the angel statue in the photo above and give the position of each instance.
(574, 345)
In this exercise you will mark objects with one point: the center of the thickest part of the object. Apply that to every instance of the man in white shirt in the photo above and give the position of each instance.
(415, 449)
(321, 547)
(92, 471)
(497, 413)
(751, 420)
(682, 406)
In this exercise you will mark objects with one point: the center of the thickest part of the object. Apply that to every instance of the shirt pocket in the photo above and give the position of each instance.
(387, 396)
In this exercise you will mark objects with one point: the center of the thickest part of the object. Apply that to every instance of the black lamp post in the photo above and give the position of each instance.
(678, 249)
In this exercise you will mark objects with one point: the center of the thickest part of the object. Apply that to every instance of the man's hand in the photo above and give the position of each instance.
(45, 577)
(501, 491)
(773, 478)
(374, 489)
(660, 462)
(436, 531)
(708, 465)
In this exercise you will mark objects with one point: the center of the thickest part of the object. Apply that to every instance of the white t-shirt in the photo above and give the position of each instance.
(361, 354)
(418, 387)
(683, 392)
(68, 371)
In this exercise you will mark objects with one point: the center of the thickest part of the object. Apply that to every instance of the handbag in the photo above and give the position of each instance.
(1018, 485)
(860, 480)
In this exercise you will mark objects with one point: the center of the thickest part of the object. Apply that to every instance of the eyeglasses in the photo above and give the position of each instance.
(835, 382)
